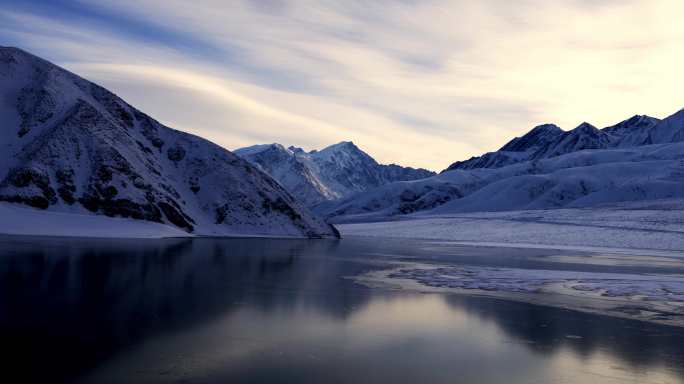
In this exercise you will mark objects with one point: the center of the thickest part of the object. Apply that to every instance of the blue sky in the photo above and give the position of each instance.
(421, 83)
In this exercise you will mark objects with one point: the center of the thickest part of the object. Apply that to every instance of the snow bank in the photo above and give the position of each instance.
(25, 221)
(640, 229)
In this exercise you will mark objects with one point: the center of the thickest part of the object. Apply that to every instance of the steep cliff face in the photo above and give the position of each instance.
(69, 145)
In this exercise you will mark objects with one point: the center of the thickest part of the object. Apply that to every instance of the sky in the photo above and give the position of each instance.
(418, 83)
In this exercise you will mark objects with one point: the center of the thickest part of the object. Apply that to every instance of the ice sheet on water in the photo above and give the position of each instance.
(669, 288)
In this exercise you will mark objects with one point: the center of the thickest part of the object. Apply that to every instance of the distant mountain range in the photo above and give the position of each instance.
(548, 140)
(641, 158)
(332, 173)
(71, 146)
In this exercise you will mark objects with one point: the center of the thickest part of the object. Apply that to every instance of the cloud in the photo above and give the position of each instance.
(423, 83)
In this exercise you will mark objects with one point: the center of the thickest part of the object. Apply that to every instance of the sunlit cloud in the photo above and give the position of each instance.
(423, 83)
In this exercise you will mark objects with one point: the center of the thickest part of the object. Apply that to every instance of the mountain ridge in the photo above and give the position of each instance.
(634, 131)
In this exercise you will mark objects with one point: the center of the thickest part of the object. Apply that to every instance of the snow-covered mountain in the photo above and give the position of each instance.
(578, 168)
(519, 149)
(549, 140)
(69, 145)
(332, 173)
(585, 136)
(632, 132)
(670, 129)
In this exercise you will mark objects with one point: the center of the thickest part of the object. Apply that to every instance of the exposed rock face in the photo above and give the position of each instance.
(332, 173)
(70, 145)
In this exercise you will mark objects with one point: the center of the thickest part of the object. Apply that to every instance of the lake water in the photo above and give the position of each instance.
(256, 310)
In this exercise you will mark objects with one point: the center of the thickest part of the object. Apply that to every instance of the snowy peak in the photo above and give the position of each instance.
(342, 146)
(632, 132)
(585, 136)
(11, 56)
(519, 149)
(586, 128)
(343, 155)
(334, 172)
(535, 139)
(71, 146)
(636, 122)
(259, 148)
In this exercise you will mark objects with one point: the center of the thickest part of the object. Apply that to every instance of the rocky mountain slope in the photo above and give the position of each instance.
(332, 173)
(69, 145)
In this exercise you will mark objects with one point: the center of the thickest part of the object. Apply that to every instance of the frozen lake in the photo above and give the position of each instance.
(257, 310)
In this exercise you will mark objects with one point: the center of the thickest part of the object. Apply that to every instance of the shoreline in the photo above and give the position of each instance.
(628, 230)
(171, 237)
(557, 247)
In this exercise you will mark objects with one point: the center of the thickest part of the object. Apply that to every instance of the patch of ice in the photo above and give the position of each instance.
(645, 287)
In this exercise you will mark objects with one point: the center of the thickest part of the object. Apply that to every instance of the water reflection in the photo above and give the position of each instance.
(255, 310)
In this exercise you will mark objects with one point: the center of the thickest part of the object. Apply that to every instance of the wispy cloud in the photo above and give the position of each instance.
(419, 82)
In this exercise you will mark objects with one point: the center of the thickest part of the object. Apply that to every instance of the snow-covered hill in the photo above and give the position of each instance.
(559, 175)
(71, 146)
(332, 173)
